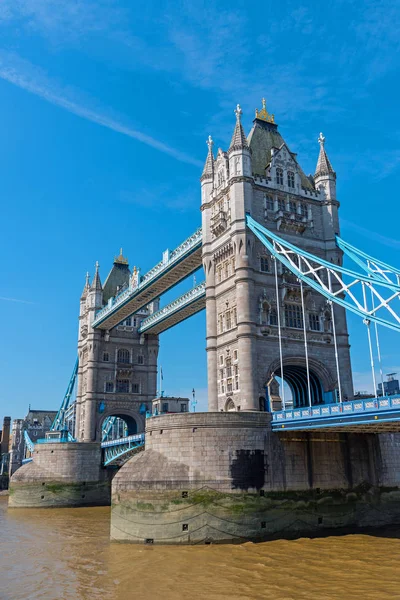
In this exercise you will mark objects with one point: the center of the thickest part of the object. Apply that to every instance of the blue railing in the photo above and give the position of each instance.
(122, 448)
(370, 407)
(139, 437)
(169, 259)
(183, 301)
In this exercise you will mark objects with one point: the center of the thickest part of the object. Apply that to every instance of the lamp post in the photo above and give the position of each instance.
(194, 401)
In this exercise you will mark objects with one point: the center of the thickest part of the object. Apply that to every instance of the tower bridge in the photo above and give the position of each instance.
(279, 281)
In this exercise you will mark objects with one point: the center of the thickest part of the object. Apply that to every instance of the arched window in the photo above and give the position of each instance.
(264, 264)
(269, 202)
(279, 176)
(220, 177)
(229, 406)
(290, 179)
(292, 206)
(281, 204)
(273, 317)
(303, 210)
(314, 322)
(123, 356)
(293, 316)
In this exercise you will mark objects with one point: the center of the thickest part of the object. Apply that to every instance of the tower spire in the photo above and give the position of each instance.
(86, 287)
(208, 170)
(324, 166)
(96, 283)
(239, 139)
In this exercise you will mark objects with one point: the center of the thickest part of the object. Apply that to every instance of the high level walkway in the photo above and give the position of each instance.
(177, 311)
(173, 268)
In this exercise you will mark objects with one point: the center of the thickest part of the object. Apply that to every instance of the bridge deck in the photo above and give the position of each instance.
(175, 266)
(373, 415)
(177, 311)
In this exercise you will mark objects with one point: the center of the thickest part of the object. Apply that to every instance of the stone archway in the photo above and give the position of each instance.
(295, 375)
(135, 422)
(229, 405)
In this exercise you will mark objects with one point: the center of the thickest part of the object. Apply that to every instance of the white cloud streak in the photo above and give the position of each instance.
(5, 299)
(28, 77)
(372, 235)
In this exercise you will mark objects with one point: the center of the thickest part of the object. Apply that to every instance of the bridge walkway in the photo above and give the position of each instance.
(174, 267)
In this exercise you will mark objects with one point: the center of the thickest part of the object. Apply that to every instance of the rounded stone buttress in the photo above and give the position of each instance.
(61, 475)
(192, 482)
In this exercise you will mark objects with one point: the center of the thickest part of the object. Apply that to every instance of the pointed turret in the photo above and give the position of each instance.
(324, 166)
(86, 287)
(325, 176)
(96, 283)
(239, 140)
(208, 171)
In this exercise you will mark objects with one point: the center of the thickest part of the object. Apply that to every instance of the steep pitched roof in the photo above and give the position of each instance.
(264, 136)
(117, 277)
(96, 283)
(208, 170)
(324, 166)
(239, 139)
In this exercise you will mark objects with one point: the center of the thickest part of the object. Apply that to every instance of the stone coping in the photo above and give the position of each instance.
(221, 420)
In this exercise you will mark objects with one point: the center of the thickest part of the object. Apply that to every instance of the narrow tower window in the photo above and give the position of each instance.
(314, 322)
(264, 264)
(123, 356)
(293, 316)
(279, 176)
(290, 179)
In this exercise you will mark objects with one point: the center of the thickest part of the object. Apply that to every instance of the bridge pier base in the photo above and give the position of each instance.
(61, 475)
(226, 477)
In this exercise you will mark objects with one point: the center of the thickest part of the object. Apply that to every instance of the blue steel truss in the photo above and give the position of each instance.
(28, 442)
(186, 305)
(115, 451)
(339, 285)
(182, 261)
(107, 427)
(59, 421)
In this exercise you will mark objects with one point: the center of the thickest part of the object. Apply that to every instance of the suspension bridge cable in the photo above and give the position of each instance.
(334, 338)
(378, 346)
(305, 341)
(278, 314)
(368, 324)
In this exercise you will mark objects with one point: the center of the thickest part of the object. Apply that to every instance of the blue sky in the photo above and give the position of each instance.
(105, 106)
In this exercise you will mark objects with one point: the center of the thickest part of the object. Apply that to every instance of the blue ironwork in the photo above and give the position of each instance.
(27, 460)
(370, 411)
(170, 260)
(115, 450)
(318, 273)
(186, 300)
(59, 421)
(28, 442)
(107, 427)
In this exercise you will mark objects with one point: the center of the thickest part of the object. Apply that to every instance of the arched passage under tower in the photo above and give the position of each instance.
(317, 386)
(124, 424)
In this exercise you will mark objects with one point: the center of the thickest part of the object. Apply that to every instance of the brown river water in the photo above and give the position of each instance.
(65, 554)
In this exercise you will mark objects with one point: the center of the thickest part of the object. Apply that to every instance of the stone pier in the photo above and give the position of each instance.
(225, 477)
(61, 475)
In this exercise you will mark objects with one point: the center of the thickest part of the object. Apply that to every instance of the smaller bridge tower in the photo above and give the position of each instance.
(118, 367)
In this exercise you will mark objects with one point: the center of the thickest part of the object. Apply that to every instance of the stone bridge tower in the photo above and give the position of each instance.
(117, 368)
(259, 175)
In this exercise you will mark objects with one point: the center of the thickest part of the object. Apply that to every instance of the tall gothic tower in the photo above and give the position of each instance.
(118, 368)
(259, 175)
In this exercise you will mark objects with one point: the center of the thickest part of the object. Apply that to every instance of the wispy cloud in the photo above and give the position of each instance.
(32, 79)
(159, 198)
(372, 235)
(5, 299)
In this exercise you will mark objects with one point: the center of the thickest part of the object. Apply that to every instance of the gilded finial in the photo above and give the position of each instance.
(263, 114)
(238, 112)
(210, 142)
(87, 278)
(321, 139)
(120, 260)
(97, 266)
